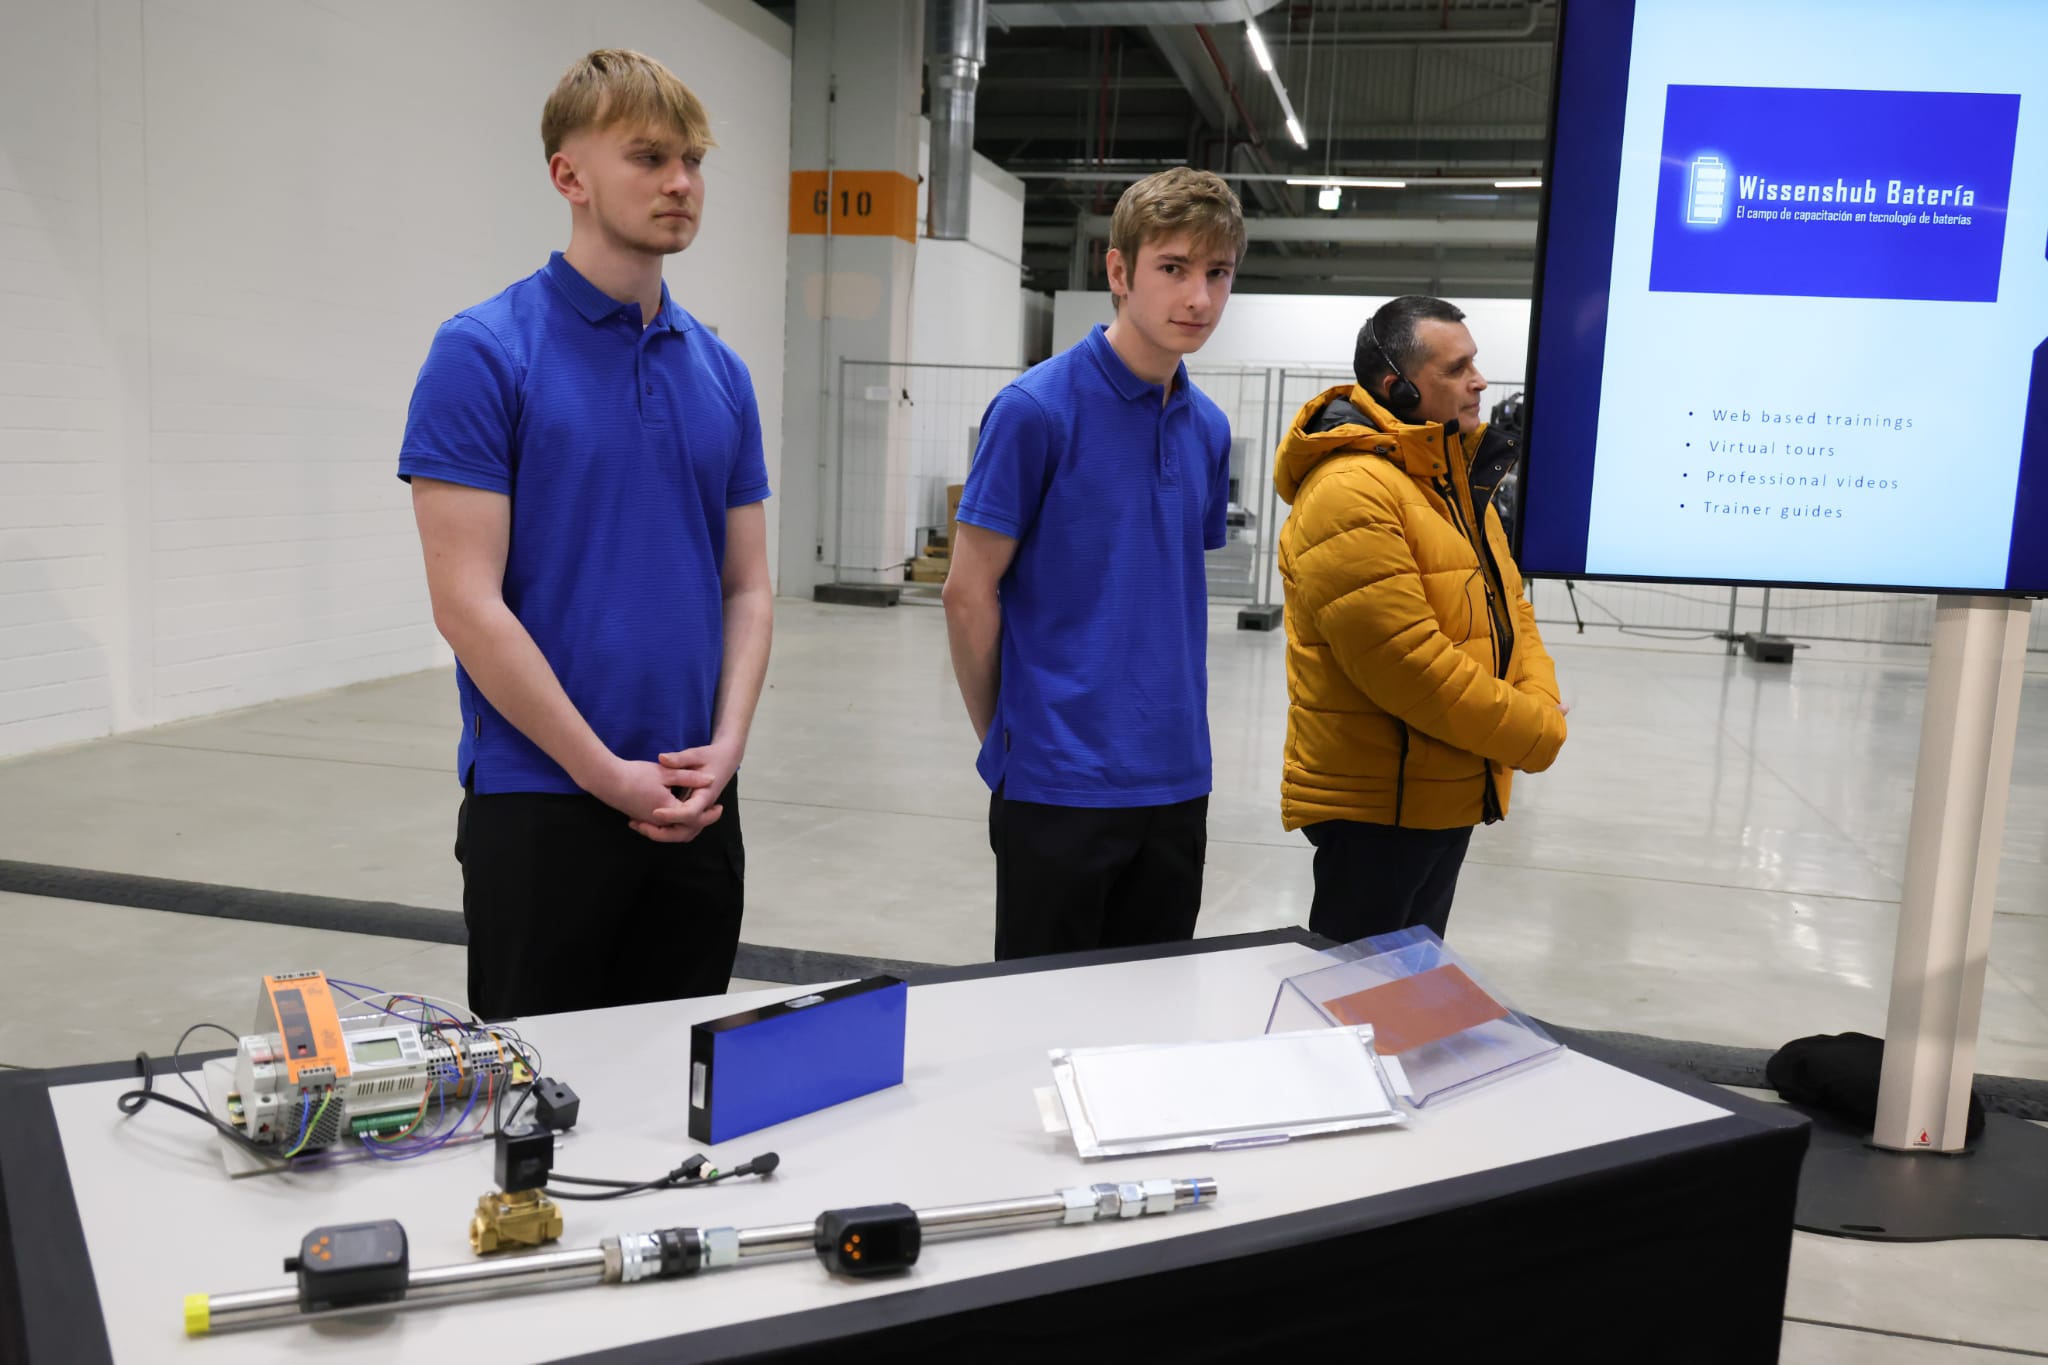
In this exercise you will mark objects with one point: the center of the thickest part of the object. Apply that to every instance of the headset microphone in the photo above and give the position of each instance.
(1402, 396)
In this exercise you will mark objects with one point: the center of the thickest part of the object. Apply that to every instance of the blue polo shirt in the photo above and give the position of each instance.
(1112, 497)
(621, 448)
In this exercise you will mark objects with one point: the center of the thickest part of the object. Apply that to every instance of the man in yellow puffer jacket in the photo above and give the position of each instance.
(1416, 680)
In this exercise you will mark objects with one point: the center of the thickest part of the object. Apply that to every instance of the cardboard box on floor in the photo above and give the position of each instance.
(931, 564)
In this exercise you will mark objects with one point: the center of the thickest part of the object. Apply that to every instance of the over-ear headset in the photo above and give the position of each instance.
(1402, 396)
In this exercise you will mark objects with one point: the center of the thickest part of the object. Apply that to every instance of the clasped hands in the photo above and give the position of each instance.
(670, 801)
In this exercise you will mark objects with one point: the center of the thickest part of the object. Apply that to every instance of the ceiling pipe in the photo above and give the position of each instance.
(1408, 181)
(1475, 232)
(1138, 167)
(956, 45)
(1009, 14)
(1258, 143)
(1379, 37)
(1230, 86)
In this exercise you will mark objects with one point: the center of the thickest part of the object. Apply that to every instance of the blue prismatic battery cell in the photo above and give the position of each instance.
(766, 1066)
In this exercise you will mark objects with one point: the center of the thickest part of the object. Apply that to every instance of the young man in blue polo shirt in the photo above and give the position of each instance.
(587, 474)
(1076, 605)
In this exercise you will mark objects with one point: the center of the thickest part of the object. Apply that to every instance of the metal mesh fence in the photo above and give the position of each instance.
(906, 433)
(1246, 397)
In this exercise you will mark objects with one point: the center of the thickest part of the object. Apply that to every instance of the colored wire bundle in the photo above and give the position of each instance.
(486, 1081)
(409, 1148)
(434, 1018)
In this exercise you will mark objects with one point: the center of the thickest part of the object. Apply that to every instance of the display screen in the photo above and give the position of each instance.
(375, 1050)
(1791, 318)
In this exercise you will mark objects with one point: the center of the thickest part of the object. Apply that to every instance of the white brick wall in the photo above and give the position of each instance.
(58, 609)
(227, 232)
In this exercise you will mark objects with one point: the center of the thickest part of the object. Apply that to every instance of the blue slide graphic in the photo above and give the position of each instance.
(1875, 194)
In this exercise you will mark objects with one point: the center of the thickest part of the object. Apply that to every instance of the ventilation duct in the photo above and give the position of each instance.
(955, 47)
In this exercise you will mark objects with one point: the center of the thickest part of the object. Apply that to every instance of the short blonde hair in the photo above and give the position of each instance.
(1181, 199)
(614, 85)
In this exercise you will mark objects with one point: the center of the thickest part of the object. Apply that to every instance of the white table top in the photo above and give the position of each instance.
(162, 1221)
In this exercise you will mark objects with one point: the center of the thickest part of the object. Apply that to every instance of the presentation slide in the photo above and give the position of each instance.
(1792, 309)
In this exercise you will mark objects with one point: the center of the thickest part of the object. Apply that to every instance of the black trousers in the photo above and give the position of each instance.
(568, 909)
(1377, 879)
(1072, 878)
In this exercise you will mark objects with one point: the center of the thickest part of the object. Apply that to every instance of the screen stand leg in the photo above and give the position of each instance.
(1916, 1179)
(1967, 732)
(1572, 593)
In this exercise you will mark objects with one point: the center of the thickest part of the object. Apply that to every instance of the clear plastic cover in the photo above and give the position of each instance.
(1438, 1026)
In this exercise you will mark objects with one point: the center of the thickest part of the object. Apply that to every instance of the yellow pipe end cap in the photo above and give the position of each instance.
(198, 1315)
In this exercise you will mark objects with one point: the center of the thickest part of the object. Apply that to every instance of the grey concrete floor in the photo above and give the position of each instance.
(1717, 856)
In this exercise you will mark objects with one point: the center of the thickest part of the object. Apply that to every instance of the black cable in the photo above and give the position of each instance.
(683, 1177)
(1621, 627)
(1651, 634)
(499, 1120)
(131, 1101)
(662, 1184)
(178, 1055)
(685, 1172)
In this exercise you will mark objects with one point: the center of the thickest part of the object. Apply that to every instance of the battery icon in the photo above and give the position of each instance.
(1707, 193)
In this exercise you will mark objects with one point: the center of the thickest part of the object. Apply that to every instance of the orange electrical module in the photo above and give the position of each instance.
(299, 1007)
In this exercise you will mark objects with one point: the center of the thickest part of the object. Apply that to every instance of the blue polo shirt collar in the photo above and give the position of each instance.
(1128, 385)
(598, 306)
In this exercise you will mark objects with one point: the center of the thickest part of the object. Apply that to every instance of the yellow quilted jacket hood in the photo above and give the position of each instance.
(1417, 681)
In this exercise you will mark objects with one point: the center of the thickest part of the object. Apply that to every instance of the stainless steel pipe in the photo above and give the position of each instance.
(629, 1259)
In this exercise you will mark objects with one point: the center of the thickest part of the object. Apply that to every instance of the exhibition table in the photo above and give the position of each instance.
(1599, 1209)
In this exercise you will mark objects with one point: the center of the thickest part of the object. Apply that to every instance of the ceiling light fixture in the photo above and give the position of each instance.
(1264, 58)
(1330, 199)
(1530, 184)
(1258, 42)
(1356, 182)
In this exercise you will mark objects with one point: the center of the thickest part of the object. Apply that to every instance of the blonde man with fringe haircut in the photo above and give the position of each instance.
(588, 479)
(1076, 603)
